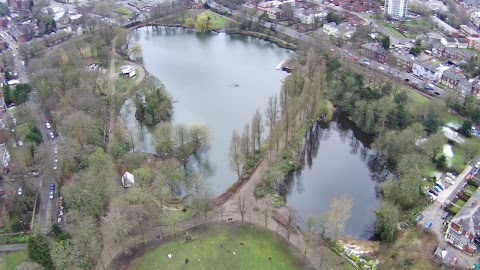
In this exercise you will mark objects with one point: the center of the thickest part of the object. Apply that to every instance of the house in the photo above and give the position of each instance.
(474, 43)
(341, 31)
(469, 32)
(308, 16)
(431, 70)
(451, 79)
(450, 30)
(375, 51)
(462, 43)
(404, 61)
(463, 230)
(449, 42)
(464, 87)
(274, 13)
(56, 38)
(128, 180)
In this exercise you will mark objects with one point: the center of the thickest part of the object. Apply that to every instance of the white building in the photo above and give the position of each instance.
(431, 70)
(308, 16)
(396, 9)
(343, 30)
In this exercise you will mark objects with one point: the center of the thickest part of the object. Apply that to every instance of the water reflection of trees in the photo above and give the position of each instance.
(358, 141)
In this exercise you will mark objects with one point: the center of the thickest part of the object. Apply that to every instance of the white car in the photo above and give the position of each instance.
(451, 175)
(431, 196)
(449, 180)
(440, 184)
(52, 136)
(477, 165)
(51, 195)
(48, 125)
(55, 167)
(19, 191)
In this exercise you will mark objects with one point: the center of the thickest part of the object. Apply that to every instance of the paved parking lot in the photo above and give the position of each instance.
(434, 212)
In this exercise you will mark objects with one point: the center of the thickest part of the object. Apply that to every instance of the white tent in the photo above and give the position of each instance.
(128, 180)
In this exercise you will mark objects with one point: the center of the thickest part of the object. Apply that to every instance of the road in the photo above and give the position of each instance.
(45, 212)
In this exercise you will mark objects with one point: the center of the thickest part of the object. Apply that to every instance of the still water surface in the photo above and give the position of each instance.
(200, 71)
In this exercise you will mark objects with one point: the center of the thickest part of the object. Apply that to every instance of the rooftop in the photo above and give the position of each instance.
(468, 218)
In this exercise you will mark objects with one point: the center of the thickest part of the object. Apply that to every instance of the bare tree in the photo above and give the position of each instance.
(115, 223)
(272, 112)
(202, 202)
(236, 153)
(266, 214)
(257, 129)
(242, 206)
(293, 218)
(338, 213)
(246, 142)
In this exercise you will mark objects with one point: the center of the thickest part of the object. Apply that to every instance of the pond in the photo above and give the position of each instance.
(200, 71)
(214, 79)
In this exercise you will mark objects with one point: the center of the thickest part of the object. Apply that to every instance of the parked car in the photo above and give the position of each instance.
(451, 175)
(437, 189)
(431, 196)
(52, 136)
(48, 125)
(433, 192)
(51, 195)
(438, 183)
(449, 180)
(418, 218)
(52, 186)
(477, 165)
(453, 262)
(469, 176)
(19, 191)
(445, 215)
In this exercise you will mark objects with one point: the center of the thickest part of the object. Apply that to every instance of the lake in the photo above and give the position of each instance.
(200, 71)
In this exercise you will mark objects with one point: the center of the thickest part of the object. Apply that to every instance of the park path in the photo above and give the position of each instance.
(12, 247)
(113, 77)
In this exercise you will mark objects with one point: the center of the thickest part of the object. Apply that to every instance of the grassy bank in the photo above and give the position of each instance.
(14, 259)
(229, 247)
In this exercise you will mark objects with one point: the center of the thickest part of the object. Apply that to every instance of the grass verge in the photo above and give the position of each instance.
(392, 30)
(14, 259)
(417, 98)
(231, 247)
(218, 22)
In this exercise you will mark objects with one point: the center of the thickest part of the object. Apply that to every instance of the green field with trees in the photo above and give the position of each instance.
(229, 247)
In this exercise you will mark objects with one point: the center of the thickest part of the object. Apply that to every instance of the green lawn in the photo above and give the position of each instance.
(14, 259)
(453, 118)
(229, 247)
(454, 209)
(218, 22)
(471, 188)
(461, 203)
(458, 160)
(392, 30)
(123, 11)
(417, 98)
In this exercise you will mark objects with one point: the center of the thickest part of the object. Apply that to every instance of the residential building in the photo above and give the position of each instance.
(450, 30)
(396, 9)
(469, 32)
(404, 61)
(375, 51)
(464, 87)
(431, 70)
(56, 38)
(463, 230)
(274, 13)
(341, 31)
(451, 79)
(474, 43)
(448, 42)
(308, 16)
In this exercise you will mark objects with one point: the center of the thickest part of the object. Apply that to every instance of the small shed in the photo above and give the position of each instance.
(127, 71)
(128, 180)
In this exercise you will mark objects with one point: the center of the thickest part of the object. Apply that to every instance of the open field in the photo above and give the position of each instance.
(14, 259)
(417, 98)
(229, 247)
(218, 22)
